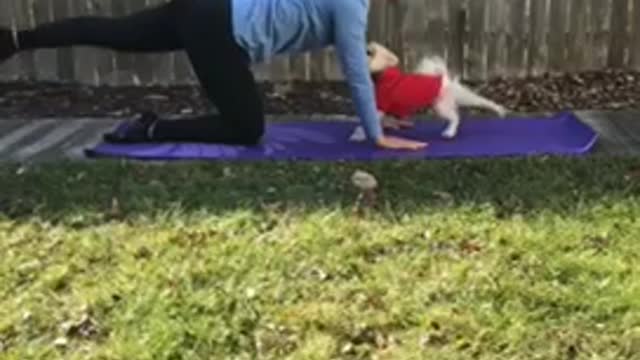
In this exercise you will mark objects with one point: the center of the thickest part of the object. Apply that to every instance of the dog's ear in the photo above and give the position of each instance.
(393, 59)
(381, 58)
(377, 63)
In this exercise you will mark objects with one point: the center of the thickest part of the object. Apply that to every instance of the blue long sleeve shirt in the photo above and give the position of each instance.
(265, 28)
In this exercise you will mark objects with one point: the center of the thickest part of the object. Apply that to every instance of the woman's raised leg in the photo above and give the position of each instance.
(150, 30)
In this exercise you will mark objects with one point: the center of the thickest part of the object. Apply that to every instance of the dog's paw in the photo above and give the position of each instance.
(502, 111)
(450, 133)
(406, 124)
(388, 124)
(391, 123)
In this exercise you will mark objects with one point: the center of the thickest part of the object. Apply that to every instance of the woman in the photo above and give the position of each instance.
(222, 38)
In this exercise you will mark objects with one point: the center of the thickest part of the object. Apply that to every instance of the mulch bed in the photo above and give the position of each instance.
(611, 89)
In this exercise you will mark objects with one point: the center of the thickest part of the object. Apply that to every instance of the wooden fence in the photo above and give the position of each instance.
(479, 38)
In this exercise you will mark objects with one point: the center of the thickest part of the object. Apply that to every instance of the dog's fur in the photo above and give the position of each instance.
(453, 94)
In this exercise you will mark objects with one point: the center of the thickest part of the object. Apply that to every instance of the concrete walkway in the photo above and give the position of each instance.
(619, 131)
(38, 140)
(49, 139)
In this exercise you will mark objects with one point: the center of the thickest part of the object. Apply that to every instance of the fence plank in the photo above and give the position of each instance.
(578, 34)
(394, 14)
(279, 68)
(436, 36)
(479, 38)
(619, 34)
(65, 57)
(316, 65)
(45, 60)
(104, 59)
(334, 71)
(143, 64)
(123, 73)
(260, 72)
(456, 36)
(24, 20)
(85, 57)
(634, 60)
(538, 29)
(376, 22)
(601, 18)
(518, 28)
(496, 29)
(9, 68)
(300, 67)
(183, 70)
(477, 45)
(161, 65)
(413, 31)
(557, 35)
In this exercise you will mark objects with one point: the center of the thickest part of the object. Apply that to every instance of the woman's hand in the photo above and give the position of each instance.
(398, 143)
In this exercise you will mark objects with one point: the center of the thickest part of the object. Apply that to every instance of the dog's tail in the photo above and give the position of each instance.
(432, 65)
(436, 66)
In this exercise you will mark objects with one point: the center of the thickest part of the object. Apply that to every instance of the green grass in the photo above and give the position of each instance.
(509, 259)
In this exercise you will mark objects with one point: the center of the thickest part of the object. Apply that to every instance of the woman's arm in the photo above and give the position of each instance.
(351, 17)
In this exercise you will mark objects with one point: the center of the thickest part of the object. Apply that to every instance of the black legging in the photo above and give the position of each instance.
(200, 27)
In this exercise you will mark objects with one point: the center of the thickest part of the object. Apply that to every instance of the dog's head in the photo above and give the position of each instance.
(380, 58)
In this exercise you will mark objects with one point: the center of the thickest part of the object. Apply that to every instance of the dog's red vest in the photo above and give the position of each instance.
(402, 95)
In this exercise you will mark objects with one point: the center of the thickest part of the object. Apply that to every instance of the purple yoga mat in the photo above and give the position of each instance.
(560, 134)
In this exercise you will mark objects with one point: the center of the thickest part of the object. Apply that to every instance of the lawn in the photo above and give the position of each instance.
(500, 259)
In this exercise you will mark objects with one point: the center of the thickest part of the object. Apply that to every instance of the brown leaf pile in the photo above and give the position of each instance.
(610, 89)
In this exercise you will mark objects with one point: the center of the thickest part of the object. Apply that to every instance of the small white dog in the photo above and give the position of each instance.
(400, 96)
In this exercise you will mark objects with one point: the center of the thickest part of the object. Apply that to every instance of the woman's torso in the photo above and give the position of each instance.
(265, 28)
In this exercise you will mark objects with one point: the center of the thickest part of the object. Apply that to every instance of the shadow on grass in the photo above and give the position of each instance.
(109, 189)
